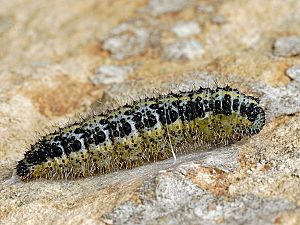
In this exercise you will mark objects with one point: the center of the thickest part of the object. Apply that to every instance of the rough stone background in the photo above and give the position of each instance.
(62, 58)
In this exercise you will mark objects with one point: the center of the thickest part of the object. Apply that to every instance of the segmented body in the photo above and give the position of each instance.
(144, 131)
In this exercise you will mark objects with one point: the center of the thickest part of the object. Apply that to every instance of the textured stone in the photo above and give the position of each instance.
(126, 41)
(158, 7)
(294, 73)
(108, 74)
(287, 46)
(185, 49)
(189, 204)
(185, 29)
(205, 8)
(218, 19)
(281, 100)
(6, 23)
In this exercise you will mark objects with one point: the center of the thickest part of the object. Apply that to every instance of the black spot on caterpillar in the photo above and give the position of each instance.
(145, 131)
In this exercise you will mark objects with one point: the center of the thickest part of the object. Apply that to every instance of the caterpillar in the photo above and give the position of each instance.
(144, 131)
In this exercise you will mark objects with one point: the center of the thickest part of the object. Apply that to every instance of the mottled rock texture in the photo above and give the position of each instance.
(55, 57)
(287, 46)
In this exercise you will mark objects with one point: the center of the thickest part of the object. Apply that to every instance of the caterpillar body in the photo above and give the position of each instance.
(145, 131)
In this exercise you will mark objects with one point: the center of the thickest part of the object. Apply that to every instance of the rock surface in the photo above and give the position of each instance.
(184, 49)
(51, 55)
(186, 29)
(108, 74)
(287, 46)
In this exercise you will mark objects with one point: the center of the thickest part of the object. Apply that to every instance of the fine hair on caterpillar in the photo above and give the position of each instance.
(144, 131)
